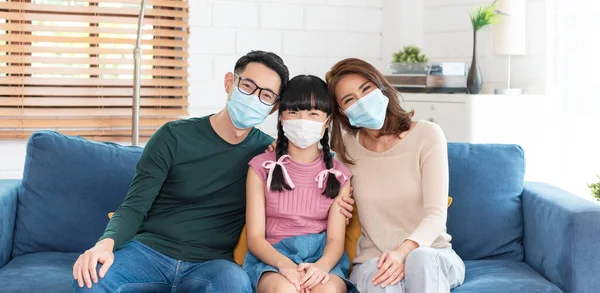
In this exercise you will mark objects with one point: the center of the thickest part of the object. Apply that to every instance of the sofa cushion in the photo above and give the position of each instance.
(9, 194)
(486, 218)
(39, 272)
(69, 186)
(501, 276)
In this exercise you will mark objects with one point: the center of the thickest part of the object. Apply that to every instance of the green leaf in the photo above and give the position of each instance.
(484, 15)
(409, 54)
(595, 188)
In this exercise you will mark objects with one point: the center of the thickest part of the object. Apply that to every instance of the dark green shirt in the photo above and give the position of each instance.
(188, 197)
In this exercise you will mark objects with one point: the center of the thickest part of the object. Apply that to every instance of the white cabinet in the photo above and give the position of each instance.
(485, 118)
(450, 112)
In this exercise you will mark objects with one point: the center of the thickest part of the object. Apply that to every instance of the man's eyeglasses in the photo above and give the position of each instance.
(248, 87)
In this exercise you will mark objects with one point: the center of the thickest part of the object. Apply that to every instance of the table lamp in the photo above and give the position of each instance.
(510, 36)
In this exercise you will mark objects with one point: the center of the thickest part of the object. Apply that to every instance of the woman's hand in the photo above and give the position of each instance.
(314, 274)
(391, 265)
(391, 269)
(292, 273)
(347, 205)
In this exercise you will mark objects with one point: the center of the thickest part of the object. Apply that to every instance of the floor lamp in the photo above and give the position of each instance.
(510, 37)
(137, 75)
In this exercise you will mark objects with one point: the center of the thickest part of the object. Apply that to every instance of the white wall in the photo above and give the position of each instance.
(310, 35)
(448, 35)
(12, 158)
(402, 25)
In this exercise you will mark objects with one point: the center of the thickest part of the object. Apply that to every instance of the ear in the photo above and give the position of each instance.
(228, 82)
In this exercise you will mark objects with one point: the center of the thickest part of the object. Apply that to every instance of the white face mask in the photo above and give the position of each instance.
(302, 133)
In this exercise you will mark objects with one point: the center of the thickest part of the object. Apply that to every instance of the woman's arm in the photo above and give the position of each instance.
(434, 186)
(336, 233)
(255, 224)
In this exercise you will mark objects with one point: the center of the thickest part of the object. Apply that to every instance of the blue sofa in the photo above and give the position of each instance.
(514, 236)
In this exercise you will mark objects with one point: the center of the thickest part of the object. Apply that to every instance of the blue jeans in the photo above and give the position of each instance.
(139, 268)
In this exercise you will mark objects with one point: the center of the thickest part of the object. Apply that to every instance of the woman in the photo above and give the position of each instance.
(400, 185)
(290, 196)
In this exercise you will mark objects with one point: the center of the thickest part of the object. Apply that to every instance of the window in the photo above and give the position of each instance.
(68, 66)
(574, 87)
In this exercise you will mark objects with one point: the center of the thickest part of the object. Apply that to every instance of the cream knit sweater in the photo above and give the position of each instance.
(401, 193)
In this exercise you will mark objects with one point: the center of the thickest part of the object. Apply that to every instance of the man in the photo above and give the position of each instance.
(185, 208)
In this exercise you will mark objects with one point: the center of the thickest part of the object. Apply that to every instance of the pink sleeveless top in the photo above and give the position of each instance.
(304, 209)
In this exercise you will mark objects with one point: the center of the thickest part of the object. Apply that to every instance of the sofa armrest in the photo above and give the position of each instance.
(562, 237)
(9, 191)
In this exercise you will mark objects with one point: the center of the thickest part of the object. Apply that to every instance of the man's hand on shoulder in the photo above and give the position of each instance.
(272, 147)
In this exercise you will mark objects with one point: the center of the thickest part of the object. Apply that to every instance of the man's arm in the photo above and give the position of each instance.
(151, 172)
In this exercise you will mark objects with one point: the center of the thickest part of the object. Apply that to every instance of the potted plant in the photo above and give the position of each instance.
(480, 18)
(410, 59)
(595, 188)
(409, 54)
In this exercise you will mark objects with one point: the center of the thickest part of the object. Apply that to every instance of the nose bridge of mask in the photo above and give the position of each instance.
(246, 111)
(252, 102)
(360, 106)
(370, 96)
(244, 97)
(302, 133)
(303, 124)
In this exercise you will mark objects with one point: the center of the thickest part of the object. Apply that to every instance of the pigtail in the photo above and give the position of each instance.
(332, 188)
(277, 182)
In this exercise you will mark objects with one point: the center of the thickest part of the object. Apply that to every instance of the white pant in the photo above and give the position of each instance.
(426, 270)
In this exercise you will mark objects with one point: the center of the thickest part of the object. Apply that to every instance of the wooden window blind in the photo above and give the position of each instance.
(67, 65)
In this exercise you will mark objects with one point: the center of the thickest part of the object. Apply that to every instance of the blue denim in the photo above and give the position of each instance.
(139, 268)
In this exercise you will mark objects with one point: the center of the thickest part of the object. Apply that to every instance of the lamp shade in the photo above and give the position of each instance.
(510, 32)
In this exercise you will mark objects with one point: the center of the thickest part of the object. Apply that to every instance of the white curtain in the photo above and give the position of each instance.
(574, 83)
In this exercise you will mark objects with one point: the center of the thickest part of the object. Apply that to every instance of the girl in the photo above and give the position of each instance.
(290, 200)
(400, 185)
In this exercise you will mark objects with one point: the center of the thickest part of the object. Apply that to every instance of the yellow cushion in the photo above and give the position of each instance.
(352, 235)
(239, 252)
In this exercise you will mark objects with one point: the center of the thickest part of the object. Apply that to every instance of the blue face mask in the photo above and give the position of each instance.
(246, 111)
(368, 111)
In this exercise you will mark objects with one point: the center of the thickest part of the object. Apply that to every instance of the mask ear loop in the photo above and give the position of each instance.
(328, 121)
(233, 86)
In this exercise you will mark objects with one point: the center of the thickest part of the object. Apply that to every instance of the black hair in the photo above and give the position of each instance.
(305, 92)
(271, 60)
